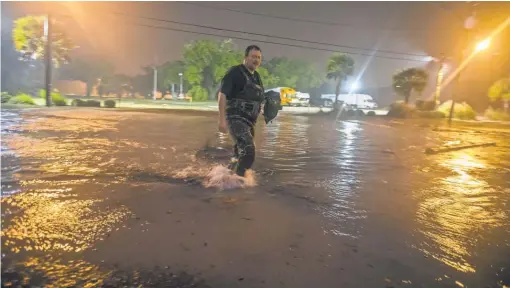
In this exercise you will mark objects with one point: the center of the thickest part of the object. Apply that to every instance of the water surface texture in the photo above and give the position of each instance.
(106, 198)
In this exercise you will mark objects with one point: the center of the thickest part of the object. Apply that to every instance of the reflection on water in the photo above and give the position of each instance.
(456, 207)
(286, 144)
(342, 186)
(67, 274)
(53, 219)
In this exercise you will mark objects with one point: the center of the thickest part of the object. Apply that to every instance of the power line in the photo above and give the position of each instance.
(271, 42)
(261, 41)
(266, 35)
(295, 19)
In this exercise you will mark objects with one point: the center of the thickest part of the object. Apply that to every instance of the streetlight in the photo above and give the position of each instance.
(483, 45)
(155, 84)
(180, 88)
(480, 46)
(428, 58)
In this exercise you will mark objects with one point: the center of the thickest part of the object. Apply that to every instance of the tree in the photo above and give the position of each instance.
(28, 37)
(269, 80)
(500, 90)
(143, 83)
(168, 74)
(206, 63)
(115, 83)
(283, 70)
(17, 75)
(340, 66)
(309, 77)
(91, 71)
(296, 74)
(407, 80)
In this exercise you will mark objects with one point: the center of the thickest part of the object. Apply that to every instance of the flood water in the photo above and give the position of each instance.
(114, 198)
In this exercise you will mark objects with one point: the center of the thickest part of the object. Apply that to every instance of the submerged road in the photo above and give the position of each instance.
(104, 198)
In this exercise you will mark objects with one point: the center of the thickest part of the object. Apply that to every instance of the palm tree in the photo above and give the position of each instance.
(407, 80)
(340, 66)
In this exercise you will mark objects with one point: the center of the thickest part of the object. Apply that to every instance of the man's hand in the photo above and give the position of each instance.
(222, 121)
(222, 126)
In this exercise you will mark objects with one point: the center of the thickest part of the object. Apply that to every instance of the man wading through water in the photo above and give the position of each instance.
(239, 102)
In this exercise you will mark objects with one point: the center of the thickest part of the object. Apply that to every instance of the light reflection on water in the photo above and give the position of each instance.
(54, 220)
(456, 207)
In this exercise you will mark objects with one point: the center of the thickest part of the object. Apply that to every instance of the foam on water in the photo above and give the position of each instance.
(223, 178)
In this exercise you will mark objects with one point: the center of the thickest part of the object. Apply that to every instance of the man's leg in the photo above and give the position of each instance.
(233, 162)
(242, 132)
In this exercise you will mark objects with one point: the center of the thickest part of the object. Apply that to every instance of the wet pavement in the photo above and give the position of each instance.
(98, 198)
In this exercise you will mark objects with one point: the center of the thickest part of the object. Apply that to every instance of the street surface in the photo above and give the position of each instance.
(96, 197)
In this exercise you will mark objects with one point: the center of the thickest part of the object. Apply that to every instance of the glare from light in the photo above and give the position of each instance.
(354, 86)
(482, 45)
(465, 62)
(428, 58)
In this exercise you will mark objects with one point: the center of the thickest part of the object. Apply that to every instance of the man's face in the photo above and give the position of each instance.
(253, 60)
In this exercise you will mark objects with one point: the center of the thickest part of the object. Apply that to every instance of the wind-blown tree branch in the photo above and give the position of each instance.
(500, 90)
(407, 80)
(28, 37)
(340, 66)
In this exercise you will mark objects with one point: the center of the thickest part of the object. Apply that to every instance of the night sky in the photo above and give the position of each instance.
(423, 28)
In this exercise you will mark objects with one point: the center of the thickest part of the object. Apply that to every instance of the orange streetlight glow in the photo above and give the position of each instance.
(483, 45)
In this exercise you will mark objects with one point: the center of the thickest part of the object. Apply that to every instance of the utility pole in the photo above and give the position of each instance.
(155, 89)
(180, 88)
(439, 80)
(48, 58)
(155, 67)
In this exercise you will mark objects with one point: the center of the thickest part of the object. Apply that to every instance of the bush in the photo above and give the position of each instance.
(5, 97)
(93, 103)
(198, 93)
(370, 113)
(425, 105)
(401, 110)
(460, 111)
(22, 98)
(88, 103)
(109, 104)
(496, 115)
(78, 103)
(430, 114)
(56, 98)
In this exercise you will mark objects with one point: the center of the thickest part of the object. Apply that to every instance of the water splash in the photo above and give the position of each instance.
(223, 178)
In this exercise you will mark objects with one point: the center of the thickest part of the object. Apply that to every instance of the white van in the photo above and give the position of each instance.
(361, 101)
(301, 99)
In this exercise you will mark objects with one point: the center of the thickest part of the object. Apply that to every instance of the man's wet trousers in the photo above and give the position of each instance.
(243, 134)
